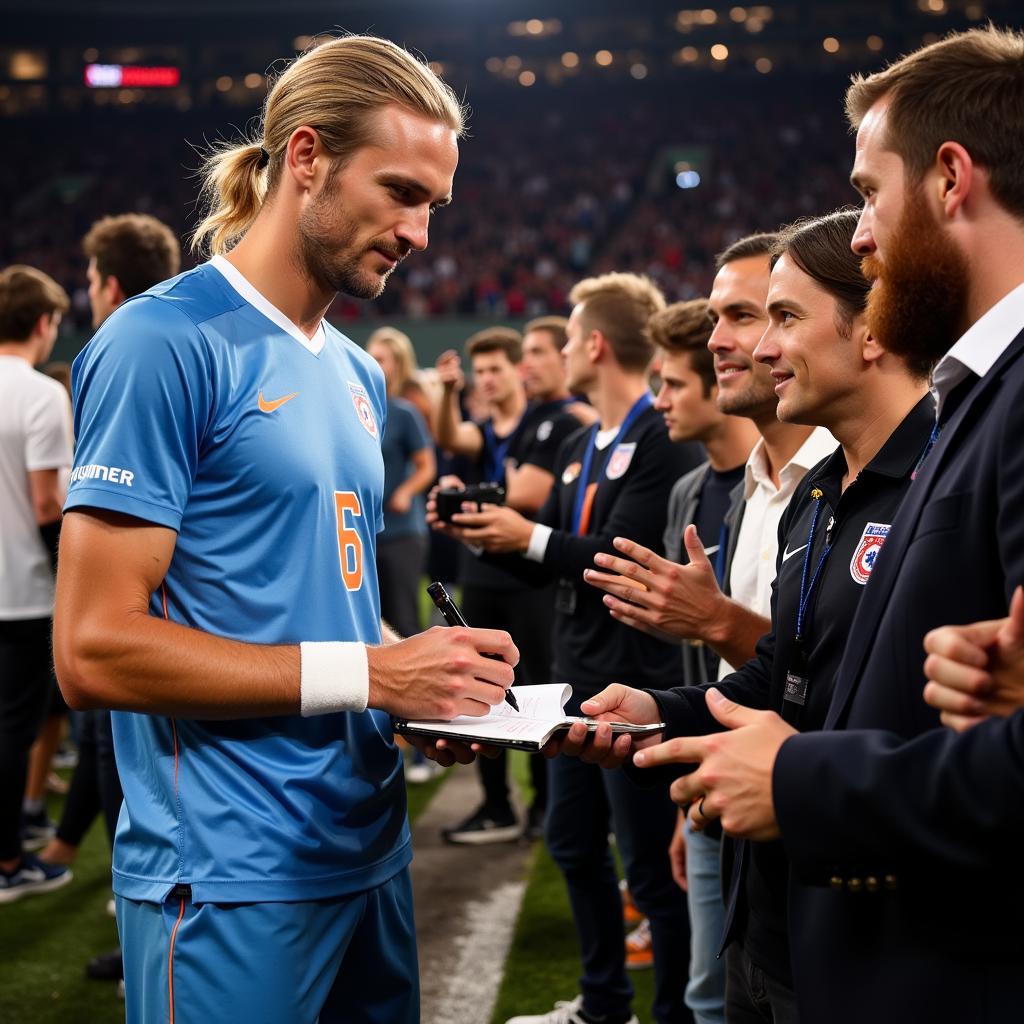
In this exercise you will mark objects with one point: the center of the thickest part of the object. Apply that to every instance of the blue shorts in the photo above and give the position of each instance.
(349, 959)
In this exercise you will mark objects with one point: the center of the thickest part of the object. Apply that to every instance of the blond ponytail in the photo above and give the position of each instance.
(234, 186)
(335, 88)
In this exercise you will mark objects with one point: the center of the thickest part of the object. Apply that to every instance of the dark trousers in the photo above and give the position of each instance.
(24, 698)
(400, 562)
(584, 803)
(527, 616)
(753, 997)
(95, 785)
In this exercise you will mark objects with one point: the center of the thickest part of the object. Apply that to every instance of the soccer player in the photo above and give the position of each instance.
(35, 455)
(217, 583)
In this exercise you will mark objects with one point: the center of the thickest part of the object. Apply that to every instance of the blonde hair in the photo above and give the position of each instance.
(400, 346)
(335, 89)
(619, 306)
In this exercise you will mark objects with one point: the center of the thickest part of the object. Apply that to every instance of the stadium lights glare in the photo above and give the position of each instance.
(638, 71)
(224, 83)
(830, 44)
(875, 43)
(738, 14)
(974, 11)
(687, 179)
(253, 80)
(763, 64)
(570, 59)
(689, 54)
(719, 51)
(527, 78)
(603, 57)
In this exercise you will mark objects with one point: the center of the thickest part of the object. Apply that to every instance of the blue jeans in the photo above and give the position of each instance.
(584, 803)
(705, 993)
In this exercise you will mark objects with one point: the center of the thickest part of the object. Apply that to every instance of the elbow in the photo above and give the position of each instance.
(73, 678)
(80, 670)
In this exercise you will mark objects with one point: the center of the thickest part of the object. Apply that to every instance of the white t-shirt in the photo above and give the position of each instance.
(35, 433)
(757, 546)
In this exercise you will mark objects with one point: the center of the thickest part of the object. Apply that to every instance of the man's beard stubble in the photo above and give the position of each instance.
(326, 252)
(917, 307)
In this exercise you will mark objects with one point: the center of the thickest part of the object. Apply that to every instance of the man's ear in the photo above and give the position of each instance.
(870, 348)
(954, 175)
(113, 292)
(595, 345)
(304, 153)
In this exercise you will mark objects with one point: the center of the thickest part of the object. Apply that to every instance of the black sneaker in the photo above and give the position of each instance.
(106, 966)
(32, 876)
(484, 827)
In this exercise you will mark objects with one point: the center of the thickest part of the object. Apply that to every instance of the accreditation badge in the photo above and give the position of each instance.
(866, 552)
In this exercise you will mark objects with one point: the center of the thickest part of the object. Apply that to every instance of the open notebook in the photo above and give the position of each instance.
(541, 714)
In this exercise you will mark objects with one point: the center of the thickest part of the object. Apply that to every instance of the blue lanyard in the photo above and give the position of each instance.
(928, 446)
(495, 454)
(807, 589)
(723, 540)
(639, 406)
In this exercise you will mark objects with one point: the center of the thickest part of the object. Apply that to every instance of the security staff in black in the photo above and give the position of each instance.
(829, 539)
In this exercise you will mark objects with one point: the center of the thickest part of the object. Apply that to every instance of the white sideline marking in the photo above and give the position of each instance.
(482, 948)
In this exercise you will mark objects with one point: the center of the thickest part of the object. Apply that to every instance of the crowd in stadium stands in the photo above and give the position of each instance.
(545, 194)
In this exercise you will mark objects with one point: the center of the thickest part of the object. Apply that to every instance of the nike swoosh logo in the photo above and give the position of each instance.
(789, 554)
(276, 403)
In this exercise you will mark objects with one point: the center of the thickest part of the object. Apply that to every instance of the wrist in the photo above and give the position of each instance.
(720, 623)
(333, 677)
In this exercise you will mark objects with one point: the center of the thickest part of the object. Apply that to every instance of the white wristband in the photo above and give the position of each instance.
(334, 676)
(538, 544)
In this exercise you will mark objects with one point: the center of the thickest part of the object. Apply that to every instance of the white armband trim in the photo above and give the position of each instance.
(538, 546)
(334, 676)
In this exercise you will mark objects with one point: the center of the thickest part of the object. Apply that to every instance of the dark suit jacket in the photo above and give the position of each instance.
(910, 904)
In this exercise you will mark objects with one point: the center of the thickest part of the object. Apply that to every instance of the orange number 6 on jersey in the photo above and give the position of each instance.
(350, 547)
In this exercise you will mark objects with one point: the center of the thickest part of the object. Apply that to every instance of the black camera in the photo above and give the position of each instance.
(449, 500)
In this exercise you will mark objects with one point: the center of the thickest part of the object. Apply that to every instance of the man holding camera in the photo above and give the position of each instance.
(612, 480)
(513, 449)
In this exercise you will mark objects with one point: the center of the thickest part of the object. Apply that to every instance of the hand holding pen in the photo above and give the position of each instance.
(453, 617)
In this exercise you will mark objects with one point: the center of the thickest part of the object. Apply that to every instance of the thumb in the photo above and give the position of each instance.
(694, 547)
(610, 697)
(1012, 632)
(727, 712)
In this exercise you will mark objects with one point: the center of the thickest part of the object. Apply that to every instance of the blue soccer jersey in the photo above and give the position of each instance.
(195, 410)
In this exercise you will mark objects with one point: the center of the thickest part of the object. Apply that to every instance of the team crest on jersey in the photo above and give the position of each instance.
(364, 410)
(544, 430)
(620, 460)
(871, 542)
(571, 472)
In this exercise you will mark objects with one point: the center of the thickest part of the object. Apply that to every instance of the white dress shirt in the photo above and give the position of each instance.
(753, 564)
(980, 346)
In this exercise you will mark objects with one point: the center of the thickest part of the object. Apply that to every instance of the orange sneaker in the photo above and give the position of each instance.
(639, 950)
(631, 916)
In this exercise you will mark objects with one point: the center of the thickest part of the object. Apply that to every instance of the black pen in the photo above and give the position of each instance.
(451, 614)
